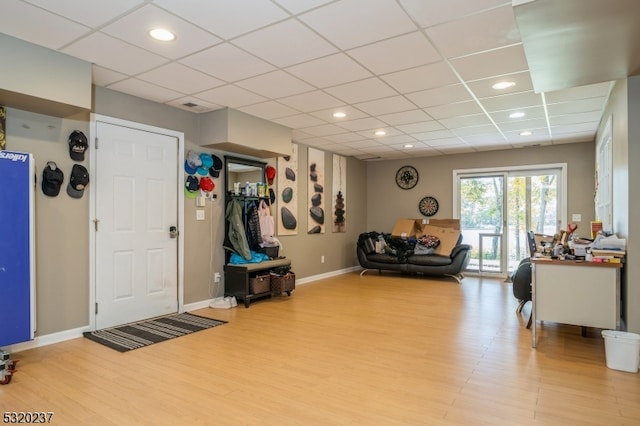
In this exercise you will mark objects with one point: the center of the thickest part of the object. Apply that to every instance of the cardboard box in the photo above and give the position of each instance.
(442, 223)
(448, 238)
(405, 228)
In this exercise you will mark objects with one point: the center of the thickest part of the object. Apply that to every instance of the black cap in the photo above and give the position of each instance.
(214, 171)
(78, 181)
(52, 178)
(78, 144)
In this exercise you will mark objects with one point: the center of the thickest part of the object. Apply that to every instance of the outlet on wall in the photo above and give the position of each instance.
(322, 259)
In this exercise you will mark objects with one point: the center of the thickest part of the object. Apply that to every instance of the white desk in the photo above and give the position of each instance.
(577, 293)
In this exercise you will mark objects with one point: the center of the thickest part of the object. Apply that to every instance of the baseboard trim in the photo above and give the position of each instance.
(47, 339)
(62, 336)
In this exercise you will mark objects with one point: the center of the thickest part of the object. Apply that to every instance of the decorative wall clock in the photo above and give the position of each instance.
(428, 206)
(407, 177)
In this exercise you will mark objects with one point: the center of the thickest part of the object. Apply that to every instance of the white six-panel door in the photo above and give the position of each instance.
(136, 204)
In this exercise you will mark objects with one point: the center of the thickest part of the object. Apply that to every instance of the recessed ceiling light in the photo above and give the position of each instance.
(526, 133)
(503, 85)
(162, 34)
(339, 114)
(408, 145)
(380, 133)
(517, 114)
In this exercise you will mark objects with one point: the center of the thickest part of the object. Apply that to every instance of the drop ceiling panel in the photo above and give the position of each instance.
(142, 89)
(584, 105)
(511, 101)
(103, 77)
(232, 20)
(421, 78)
(276, 84)
(26, 22)
(361, 91)
(116, 55)
(530, 112)
(505, 60)
(428, 13)
(230, 95)
(386, 105)
(398, 53)
(405, 117)
(422, 127)
(134, 28)
(465, 121)
(580, 92)
(299, 121)
(269, 110)
(285, 43)
(227, 63)
(362, 124)
(440, 95)
(454, 110)
(192, 82)
(318, 72)
(327, 114)
(354, 23)
(97, 14)
(299, 6)
(460, 37)
(312, 101)
(484, 88)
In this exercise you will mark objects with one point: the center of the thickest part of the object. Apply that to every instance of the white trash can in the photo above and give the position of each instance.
(622, 350)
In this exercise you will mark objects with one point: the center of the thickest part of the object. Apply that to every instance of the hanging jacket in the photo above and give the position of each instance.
(254, 235)
(236, 232)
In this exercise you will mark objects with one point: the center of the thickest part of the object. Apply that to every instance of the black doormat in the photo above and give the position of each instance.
(144, 333)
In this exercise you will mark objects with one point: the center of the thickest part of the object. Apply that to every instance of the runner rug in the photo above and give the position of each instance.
(144, 333)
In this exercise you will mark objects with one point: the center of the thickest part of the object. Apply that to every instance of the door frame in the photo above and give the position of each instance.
(562, 194)
(93, 201)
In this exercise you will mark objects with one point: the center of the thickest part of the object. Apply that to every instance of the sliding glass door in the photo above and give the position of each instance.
(497, 207)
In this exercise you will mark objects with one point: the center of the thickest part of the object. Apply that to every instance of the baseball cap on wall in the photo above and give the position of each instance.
(206, 185)
(214, 170)
(78, 181)
(78, 145)
(52, 178)
(191, 187)
(270, 173)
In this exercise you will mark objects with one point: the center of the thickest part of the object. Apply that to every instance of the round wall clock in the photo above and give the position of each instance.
(407, 177)
(428, 206)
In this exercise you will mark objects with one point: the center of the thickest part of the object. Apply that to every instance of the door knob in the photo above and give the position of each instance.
(173, 232)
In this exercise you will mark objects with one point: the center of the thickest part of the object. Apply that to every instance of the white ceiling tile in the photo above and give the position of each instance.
(483, 88)
(405, 117)
(362, 124)
(438, 134)
(572, 107)
(398, 53)
(428, 13)
(330, 71)
(327, 114)
(145, 90)
(297, 134)
(438, 143)
(506, 60)
(484, 138)
(192, 81)
(227, 63)
(323, 130)
(103, 77)
(226, 19)
(422, 127)
(475, 33)
(116, 55)
(276, 84)
(440, 95)
(363, 144)
(299, 121)
(26, 22)
(386, 105)
(371, 133)
(92, 15)
(299, 6)
(311, 101)
(134, 28)
(269, 110)
(511, 101)
(351, 23)
(487, 129)
(465, 121)
(191, 104)
(285, 43)
(453, 110)
(318, 142)
(575, 128)
(580, 92)
(538, 136)
(361, 91)
(421, 78)
(581, 117)
(230, 95)
(536, 123)
(573, 138)
(530, 112)
(345, 137)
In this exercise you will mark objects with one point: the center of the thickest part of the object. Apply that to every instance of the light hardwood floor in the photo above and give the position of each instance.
(349, 350)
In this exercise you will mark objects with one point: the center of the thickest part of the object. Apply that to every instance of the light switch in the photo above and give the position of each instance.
(201, 201)
(200, 214)
(576, 217)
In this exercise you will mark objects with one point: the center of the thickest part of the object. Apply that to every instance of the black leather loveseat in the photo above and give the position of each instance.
(399, 255)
